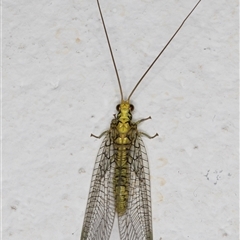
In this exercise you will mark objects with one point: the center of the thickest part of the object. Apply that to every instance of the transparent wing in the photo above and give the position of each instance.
(136, 223)
(100, 211)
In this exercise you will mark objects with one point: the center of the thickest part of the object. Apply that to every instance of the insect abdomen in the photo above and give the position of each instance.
(121, 176)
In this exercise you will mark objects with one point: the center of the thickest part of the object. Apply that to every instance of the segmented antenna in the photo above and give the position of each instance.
(114, 63)
(162, 50)
(110, 48)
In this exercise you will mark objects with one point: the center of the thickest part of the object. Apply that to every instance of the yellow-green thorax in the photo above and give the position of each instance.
(124, 117)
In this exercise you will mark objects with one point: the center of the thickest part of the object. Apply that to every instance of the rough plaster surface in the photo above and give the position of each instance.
(59, 86)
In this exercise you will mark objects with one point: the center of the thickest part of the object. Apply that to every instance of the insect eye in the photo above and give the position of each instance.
(118, 107)
(131, 107)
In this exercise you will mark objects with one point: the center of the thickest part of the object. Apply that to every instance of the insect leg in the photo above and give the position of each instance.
(142, 120)
(145, 134)
(148, 136)
(92, 135)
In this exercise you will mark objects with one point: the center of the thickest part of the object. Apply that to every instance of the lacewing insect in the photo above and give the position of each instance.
(121, 180)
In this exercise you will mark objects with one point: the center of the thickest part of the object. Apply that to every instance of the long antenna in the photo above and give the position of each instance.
(110, 48)
(162, 50)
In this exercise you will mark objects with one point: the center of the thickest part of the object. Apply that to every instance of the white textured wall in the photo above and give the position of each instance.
(59, 86)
